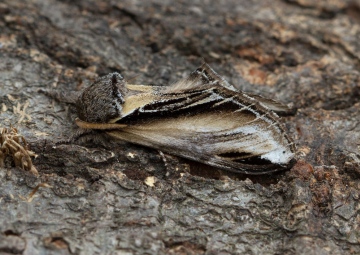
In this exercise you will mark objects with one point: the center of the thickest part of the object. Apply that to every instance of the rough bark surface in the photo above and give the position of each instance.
(110, 197)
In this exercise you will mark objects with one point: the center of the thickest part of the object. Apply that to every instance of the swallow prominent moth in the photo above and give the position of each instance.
(201, 117)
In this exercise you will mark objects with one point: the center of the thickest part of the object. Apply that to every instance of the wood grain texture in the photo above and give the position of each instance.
(101, 200)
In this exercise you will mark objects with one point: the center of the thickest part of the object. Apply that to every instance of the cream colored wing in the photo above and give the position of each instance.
(211, 125)
(235, 141)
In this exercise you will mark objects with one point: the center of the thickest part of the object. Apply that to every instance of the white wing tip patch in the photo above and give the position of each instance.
(279, 156)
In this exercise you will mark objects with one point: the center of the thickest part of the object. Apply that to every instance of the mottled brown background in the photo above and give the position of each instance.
(102, 199)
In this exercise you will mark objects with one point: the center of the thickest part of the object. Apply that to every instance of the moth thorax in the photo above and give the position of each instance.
(103, 100)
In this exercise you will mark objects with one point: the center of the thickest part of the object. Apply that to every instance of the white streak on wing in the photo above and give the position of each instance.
(224, 101)
(210, 98)
(261, 143)
(257, 114)
(280, 156)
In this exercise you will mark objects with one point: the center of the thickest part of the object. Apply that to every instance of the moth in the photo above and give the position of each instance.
(201, 117)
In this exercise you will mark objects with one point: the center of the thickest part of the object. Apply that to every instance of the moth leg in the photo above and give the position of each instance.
(65, 97)
(173, 167)
(76, 136)
(86, 136)
(162, 156)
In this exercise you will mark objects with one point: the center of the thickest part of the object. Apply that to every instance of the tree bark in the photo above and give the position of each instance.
(99, 196)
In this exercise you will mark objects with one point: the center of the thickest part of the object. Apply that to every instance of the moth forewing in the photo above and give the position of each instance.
(213, 139)
(202, 118)
(203, 75)
(273, 105)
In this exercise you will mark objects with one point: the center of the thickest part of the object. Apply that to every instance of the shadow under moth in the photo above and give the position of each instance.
(201, 117)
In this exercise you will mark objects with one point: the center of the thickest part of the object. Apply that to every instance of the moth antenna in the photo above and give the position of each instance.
(132, 78)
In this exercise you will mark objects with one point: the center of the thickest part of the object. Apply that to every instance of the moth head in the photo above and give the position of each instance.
(103, 100)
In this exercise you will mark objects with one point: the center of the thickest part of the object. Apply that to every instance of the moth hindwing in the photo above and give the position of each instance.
(201, 117)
